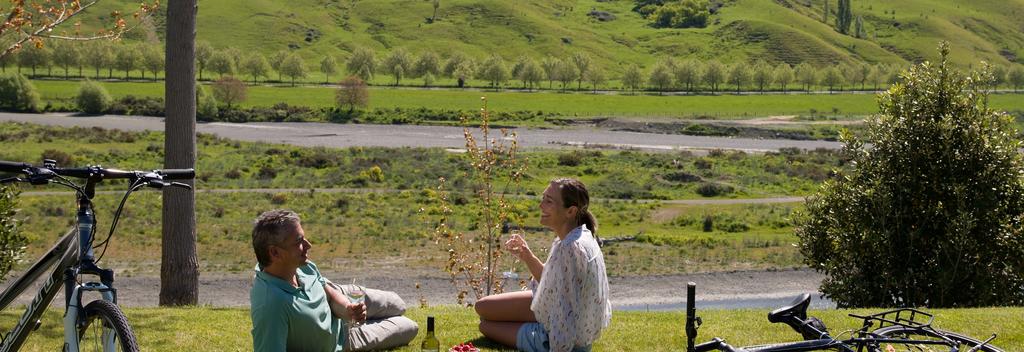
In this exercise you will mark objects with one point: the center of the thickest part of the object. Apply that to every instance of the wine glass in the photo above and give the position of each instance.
(356, 295)
(511, 275)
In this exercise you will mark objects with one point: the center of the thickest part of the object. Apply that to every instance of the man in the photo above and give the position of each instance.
(294, 308)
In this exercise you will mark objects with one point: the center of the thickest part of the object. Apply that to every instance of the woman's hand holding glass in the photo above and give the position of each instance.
(517, 245)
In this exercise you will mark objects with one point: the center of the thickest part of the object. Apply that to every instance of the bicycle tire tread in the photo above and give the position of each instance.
(113, 315)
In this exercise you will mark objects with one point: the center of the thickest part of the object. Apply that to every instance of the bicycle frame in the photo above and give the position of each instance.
(860, 343)
(72, 258)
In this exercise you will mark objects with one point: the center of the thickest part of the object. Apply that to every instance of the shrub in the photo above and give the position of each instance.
(267, 173)
(352, 92)
(206, 104)
(680, 176)
(731, 224)
(229, 90)
(131, 105)
(931, 213)
(341, 204)
(374, 174)
(703, 164)
(621, 186)
(92, 98)
(233, 174)
(17, 93)
(12, 242)
(570, 159)
(712, 189)
(63, 159)
(682, 14)
(279, 198)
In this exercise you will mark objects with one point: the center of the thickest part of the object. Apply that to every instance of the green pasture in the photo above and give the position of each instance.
(666, 238)
(228, 329)
(788, 31)
(224, 163)
(568, 105)
(397, 210)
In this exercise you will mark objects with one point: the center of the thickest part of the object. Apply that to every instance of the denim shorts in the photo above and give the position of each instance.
(533, 338)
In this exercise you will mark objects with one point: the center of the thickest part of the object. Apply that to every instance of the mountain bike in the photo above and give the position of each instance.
(905, 329)
(99, 325)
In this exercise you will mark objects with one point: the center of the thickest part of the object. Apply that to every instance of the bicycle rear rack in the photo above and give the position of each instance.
(905, 317)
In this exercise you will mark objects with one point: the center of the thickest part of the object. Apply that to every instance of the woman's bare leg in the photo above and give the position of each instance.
(506, 307)
(503, 332)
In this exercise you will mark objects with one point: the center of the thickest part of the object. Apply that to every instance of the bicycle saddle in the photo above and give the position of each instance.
(798, 309)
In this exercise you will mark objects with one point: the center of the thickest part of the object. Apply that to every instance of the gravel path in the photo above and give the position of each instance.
(348, 135)
(739, 289)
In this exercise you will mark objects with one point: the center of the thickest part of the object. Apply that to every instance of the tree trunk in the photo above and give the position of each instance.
(179, 268)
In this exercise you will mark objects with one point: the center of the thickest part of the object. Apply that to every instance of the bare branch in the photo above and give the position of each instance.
(19, 18)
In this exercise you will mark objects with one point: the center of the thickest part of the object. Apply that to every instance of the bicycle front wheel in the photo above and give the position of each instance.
(106, 329)
(900, 332)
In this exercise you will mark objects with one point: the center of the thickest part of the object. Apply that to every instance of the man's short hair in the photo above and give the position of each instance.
(271, 228)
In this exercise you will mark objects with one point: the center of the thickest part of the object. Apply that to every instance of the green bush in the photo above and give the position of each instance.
(570, 159)
(682, 14)
(12, 243)
(92, 98)
(17, 93)
(621, 186)
(206, 104)
(930, 210)
(62, 158)
(131, 105)
(711, 189)
(279, 198)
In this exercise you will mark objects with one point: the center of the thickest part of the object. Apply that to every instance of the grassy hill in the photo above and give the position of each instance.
(789, 31)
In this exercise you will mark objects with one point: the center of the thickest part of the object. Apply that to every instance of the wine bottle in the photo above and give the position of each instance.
(430, 343)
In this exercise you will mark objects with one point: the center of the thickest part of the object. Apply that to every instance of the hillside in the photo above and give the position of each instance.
(741, 30)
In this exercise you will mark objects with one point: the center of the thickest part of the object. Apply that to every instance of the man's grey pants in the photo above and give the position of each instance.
(385, 326)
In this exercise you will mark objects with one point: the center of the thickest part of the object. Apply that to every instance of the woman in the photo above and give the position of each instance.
(569, 306)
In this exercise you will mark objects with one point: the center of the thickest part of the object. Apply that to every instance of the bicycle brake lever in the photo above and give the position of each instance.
(182, 185)
(40, 179)
(158, 184)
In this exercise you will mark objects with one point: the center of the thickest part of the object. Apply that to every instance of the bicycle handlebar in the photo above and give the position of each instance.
(13, 167)
(177, 174)
(95, 171)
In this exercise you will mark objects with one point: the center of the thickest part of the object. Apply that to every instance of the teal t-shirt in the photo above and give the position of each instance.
(287, 318)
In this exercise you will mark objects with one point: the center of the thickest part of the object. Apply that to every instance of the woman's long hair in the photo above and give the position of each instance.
(574, 193)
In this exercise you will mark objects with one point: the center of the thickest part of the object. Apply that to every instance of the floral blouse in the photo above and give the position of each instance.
(571, 300)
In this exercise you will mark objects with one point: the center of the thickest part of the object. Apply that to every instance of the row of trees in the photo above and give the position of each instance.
(526, 72)
(100, 55)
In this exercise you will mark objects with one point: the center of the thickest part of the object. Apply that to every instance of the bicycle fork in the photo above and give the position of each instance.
(74, 315)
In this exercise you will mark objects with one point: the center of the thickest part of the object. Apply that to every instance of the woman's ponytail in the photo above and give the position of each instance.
(587, 218)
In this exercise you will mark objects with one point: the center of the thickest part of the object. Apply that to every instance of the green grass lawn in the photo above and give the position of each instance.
(562, 104)
(228, 329)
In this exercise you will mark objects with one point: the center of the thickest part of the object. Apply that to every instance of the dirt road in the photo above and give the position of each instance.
(348, 135)
(739, 289)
